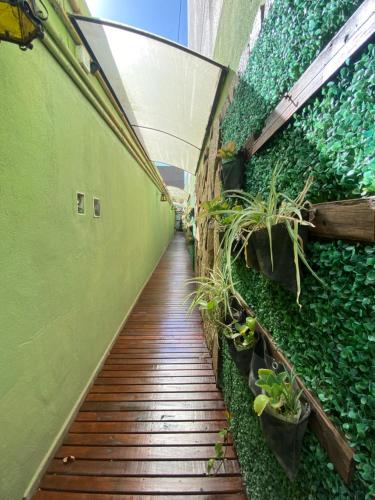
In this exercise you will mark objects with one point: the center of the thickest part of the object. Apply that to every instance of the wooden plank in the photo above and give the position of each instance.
(152, 405)
(140, 468)
(151, 373)
(338, 450)
(156, 343)
(352, 36)
(138, 388)
(140, 452)
(155, 380)
(347, 219)
(148, 350)
(143, 485)
(166, 358)
(157, 367)
(63, 495)
(150, 416)
(160, 396)
(164, 439)
(149, 427)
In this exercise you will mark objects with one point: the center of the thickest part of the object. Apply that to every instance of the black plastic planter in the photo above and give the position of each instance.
(259, 256)
(285, 438)
(242, 359)
(261, 359)
(232, 173)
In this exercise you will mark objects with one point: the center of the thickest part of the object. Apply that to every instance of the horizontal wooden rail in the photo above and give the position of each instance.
(347, 219)
(351, 37)
(338, 450)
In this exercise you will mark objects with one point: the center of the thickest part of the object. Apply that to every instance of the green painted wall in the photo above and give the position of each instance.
(67, 280)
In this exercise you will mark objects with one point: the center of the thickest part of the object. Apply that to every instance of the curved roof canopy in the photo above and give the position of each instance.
(178, 195)
(167, 92)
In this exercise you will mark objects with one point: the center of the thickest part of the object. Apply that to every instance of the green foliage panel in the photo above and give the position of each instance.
(294, 32)
(263, 476)
(332, 139)
(331, 339)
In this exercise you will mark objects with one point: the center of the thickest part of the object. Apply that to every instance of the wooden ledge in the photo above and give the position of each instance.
(347, 219)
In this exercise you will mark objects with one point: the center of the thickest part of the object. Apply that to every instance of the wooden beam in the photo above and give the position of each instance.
(338, 450)
(355, 33)
(347, 219)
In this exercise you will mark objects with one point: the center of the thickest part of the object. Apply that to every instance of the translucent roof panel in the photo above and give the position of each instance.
(167, 91)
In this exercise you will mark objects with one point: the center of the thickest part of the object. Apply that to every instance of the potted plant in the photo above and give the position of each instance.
(216, 210)
(213, 296)
(283, 416)
(232, 166)
(241, 337)
(267, 224)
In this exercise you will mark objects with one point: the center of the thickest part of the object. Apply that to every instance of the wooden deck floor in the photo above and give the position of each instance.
(150, 421)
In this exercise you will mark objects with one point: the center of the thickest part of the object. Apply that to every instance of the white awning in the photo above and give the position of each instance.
(167, 91)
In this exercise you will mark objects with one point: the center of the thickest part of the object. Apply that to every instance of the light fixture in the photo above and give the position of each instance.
(19, 22)
(163, 197)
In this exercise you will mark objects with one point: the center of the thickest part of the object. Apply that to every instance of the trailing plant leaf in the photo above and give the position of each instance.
(214, 464)
(227, 151)
(213, 295)
(243, 335)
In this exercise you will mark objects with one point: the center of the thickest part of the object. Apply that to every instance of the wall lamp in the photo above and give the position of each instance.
(163, 197)
(20, 23)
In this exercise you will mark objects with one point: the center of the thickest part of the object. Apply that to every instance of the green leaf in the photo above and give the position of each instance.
(260, 403)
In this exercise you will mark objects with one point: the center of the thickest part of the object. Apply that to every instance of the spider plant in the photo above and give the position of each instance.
(259, 213)
(217, 209)
(213, 295)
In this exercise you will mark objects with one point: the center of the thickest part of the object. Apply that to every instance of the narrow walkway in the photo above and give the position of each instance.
(150, 421)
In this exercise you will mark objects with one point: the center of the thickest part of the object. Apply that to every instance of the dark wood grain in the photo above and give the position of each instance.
(140, 468)
(150, 416)
(151, 419)
(149, 427)
(158, 396)
(142, 485)
(346, 219)
(171, 453)
(69, 495)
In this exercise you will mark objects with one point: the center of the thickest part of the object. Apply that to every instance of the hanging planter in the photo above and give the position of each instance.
(283, 415)
(241, 358)
(241, 338)
(285, 438)
(273, 229)
(232, 173)
(232, 167)
(261, 359)
(283, 268)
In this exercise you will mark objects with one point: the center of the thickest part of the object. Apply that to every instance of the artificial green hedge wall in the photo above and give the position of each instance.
(294, 32)
(332, 139)
(262, 474)
(331, 339)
